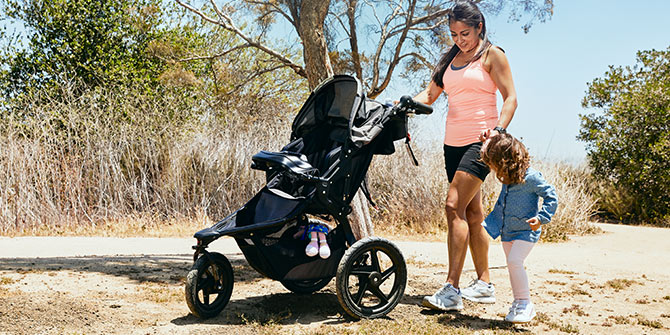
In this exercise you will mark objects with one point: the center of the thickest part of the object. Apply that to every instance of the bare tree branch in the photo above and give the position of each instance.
(380, 46)
(353, 40)
(219, 55)
(374, 89)
(227, 23)
(254, 75)
(276, 9)
(417, 56)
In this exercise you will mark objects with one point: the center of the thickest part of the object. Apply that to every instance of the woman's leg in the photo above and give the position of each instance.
(463, 189)
(479, 239)
(516, 252)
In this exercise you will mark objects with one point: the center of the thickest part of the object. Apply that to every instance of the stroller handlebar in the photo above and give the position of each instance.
(407, 104)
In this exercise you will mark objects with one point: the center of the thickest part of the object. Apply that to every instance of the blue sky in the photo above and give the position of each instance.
(553, 63)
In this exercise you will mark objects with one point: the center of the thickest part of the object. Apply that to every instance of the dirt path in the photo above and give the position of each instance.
(616, 282)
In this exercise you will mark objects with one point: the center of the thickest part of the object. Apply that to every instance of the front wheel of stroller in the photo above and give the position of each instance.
(371, 278)
(306, 286)
(209, 285)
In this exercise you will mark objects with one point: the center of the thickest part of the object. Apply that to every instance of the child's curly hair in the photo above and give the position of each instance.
(508, 157)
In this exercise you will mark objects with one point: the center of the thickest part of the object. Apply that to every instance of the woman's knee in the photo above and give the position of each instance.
(475, 216)
(451, 207)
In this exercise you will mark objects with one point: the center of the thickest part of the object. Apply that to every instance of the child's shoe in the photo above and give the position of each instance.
(522, 311)
(312, 248)
(324, 249)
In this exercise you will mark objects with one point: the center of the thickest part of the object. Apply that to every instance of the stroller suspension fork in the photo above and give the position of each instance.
(200, 248)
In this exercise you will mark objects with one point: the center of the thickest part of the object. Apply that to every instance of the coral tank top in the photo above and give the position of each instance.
(472, 103)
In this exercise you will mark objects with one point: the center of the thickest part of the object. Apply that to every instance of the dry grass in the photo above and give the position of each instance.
(620, 319)
(575, 205)
(576, 309)
(641, 320)
(543, 318)
(412, 198)
(619, 284)
(121, 163)
(82, 166)
(561, 271)
(161, 294)
(6, 281)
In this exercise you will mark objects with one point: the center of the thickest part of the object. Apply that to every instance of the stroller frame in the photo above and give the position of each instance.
(334, 138)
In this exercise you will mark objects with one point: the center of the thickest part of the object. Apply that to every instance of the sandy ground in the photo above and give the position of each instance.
(617, 282)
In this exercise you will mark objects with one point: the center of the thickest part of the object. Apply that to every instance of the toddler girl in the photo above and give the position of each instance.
(515, 217)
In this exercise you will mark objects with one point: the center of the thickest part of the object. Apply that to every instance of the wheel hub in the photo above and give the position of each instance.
(375, 278)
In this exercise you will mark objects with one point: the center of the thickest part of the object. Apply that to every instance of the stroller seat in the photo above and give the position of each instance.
(295, 162)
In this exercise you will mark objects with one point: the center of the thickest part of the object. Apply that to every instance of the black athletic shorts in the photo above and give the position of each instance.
(466, 159)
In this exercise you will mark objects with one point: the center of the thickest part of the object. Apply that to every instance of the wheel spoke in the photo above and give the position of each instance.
(362, 287)
(361, 272)
(206, 283)
(387, 274)
(205, 298)
(375, 260)
(379, 294)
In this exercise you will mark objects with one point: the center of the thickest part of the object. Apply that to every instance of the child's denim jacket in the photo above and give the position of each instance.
(518, 203)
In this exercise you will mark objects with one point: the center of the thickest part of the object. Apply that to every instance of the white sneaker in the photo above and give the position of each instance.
(448, 298)
(521, 312)
(480, 291)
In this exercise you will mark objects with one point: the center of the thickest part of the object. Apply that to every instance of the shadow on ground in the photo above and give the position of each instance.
(278, 308)
(467, 318)
(168, 269)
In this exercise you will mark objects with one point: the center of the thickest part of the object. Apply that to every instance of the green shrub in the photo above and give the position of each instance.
(628, 142)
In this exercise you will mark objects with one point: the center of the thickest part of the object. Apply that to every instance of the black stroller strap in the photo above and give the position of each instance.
(366, 192)
(410, 151)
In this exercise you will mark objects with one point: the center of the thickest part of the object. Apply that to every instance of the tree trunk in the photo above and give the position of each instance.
(353, 38)
(318, 67)
(315, 51)
(360, 221)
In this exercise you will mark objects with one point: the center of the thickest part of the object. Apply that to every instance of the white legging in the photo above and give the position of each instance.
(516, 252)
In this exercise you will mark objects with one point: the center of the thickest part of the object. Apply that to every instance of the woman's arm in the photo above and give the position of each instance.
(429, 95)
(501, 74)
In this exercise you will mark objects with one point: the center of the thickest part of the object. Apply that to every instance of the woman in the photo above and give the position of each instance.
(470, 73)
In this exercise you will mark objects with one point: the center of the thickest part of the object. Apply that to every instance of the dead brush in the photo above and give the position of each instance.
(413, 197)
(95, 161)
(100, 157)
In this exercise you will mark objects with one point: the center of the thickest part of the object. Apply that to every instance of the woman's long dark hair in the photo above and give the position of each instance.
(467, 12)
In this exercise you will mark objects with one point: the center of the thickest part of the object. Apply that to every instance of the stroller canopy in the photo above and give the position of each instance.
(337, 101)
(340, 102)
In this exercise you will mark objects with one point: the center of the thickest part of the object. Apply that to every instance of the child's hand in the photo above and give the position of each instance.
(534, 223)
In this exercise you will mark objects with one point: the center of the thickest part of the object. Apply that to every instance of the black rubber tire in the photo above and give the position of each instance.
(211, 275)
(361, 263)
(305, 286)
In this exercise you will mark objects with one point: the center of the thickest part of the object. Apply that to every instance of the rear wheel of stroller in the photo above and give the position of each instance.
(306, 286)
(371, 278)
(209, 285)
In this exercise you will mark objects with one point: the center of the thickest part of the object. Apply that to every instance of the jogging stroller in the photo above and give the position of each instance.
(333, 139)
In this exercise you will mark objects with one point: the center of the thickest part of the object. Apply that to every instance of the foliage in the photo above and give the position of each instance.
(96, 42)
(628, 142)
(207, 57)
(145, 43)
